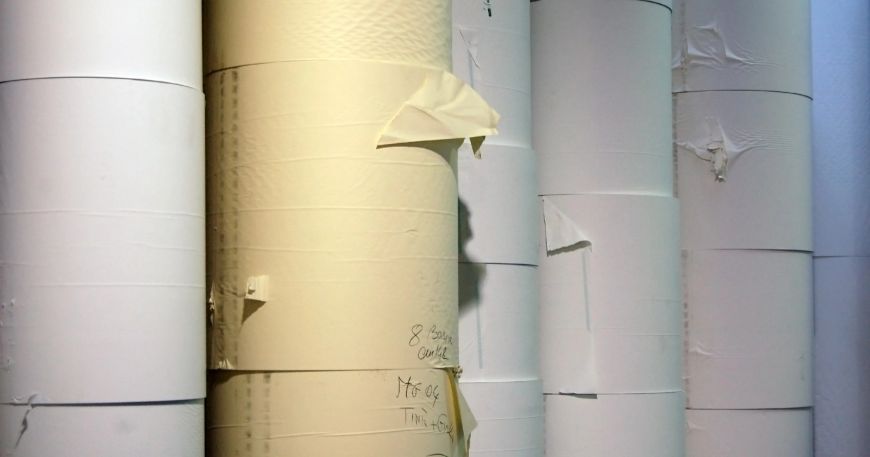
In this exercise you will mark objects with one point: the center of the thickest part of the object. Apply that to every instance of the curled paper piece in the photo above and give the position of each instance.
(465, 420)
(560, 231)
(443, 108)
(722, 149)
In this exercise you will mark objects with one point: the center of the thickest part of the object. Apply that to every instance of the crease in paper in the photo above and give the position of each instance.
(707, 46)
(723, 149)
(560, 231)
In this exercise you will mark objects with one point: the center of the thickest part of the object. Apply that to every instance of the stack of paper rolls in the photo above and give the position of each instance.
(610, 268)
(332, 135)
(841, 184)
(102, 248)
(742, 123)
(498, 277)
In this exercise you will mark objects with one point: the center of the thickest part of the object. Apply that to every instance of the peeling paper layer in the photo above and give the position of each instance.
(748, 329)
(766, 200)
(157, 40)
(510, 418)
(247, 33)
(102, 249)
(602, 112)
(614, 307)
(776, 433)
(742, 45)
(151, 430)
(359, 241)
(648, 425)
(336, 413)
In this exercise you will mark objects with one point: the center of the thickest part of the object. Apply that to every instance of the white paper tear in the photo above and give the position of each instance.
(722, 150)
(560, 231)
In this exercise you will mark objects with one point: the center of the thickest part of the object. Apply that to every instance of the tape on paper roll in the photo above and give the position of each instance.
(510, 418)
(613, 304)
(625, 425)
(774, 433)
(498, 318)
(742, 45)
(102, 286)
(744, 170)
(240, 33)
(152, 430)
(748, 347)
(498, 211)
(358, 241)
(602, 112)
(156, 40)
(336, 413)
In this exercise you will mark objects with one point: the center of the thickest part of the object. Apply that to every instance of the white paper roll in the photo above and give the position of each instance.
(602, 107)
(748, 329)
(760, 143)
(774, 433)
(157, 40)
(150, 430)
(498, 322)
(646, 425)
(102, 215)
(842, 355)
(498, 211)
(611, 318)
(742, 45)
(510, 418)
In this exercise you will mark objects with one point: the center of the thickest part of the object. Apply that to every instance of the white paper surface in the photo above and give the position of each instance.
(766, 198)
(102, 255)
(611, 319)
(774, 433)
(748, 329)
(498, 211)
(498, 322)
(842, 356)
(646, 425)
(602, 105)
(153, 430)
(510, 418)
(742, 45)
(158, 40)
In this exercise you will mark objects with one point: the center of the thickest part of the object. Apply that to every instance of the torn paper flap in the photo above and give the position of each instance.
(561, 232)
(444, 107)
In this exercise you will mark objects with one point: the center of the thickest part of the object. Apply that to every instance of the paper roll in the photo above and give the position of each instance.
(842, 355)
(760, 144)
(748, 329)
(742, 45)
(156, 40)
(602, 110)
(498, 209)
(510, 418)
(498, 322)
(150, 430)
(775, 433)
(611, 319)
(648, 425)
(335, 413)
(102, 216)
(240, 33)
(355, 244)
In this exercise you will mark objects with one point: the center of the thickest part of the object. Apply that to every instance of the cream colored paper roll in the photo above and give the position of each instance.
(510, 418)
(611, 319)
(328, 251)
(742, 45)
(499, 210)
(336, 414)
(760, 144)
(775, 433)
(157, 40)
(102, 217)
(150, 430)
(646, 425)
(602, 107)
(498, 322)
(749, 329)
(240, 33)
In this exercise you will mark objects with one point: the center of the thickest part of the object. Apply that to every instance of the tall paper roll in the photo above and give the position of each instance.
(510, 418)
(773, 433)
